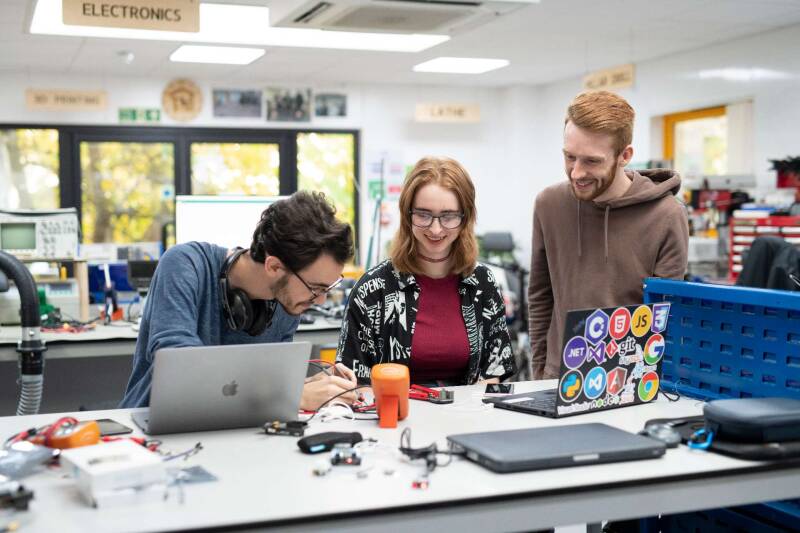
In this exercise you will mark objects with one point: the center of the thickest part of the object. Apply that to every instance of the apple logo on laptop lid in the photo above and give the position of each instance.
(230, 389)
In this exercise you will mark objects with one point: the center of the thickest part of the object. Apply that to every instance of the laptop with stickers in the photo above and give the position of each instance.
(610, 358)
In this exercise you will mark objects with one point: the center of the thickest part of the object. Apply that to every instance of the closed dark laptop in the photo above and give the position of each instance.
(555, 447)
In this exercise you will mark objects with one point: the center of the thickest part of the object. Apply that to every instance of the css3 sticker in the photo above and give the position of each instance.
(570, 387)
(575, 352)
(654, 349)
(648, 386)
(595, 383)
(660, 316)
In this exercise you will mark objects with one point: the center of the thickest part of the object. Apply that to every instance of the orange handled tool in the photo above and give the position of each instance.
(390, 383)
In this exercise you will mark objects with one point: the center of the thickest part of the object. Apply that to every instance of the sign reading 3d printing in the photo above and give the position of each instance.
(596, 326)
(575, 352)
(654, 349)
(641, 321)
(620, 323)
(571, 385)
(595, 384)
(616, 380)
(163, 15)
(660, 316)
(64, 100)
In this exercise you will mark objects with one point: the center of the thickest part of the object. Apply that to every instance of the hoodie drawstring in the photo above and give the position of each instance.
(580, 250)
(608, 209)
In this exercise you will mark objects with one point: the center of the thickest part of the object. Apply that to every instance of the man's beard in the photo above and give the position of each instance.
(604, 186)
(281, 292)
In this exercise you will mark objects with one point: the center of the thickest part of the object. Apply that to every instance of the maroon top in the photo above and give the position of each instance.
(439, 346)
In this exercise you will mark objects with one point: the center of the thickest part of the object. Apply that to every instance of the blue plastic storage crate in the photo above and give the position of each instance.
(731, 342)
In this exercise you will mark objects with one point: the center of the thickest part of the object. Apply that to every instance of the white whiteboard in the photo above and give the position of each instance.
(228, 221)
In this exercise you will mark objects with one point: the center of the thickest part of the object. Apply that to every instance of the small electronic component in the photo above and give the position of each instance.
(345, 454)
(294, 428)
(438, 396)
(15, 496)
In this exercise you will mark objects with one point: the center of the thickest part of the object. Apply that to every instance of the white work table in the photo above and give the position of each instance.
(266, 483)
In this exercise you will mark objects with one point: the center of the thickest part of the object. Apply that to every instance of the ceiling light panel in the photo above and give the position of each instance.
(461, 65)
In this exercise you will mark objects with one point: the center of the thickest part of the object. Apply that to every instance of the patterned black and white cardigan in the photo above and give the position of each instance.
(382, 312)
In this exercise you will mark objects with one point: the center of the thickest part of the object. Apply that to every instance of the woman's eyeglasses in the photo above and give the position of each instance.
(424, 219)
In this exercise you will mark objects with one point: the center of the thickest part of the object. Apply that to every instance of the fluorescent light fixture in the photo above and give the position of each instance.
(461, 65)
(224, 55)
(743, 74)
(238, 24)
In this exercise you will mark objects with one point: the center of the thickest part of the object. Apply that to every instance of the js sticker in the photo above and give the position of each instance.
(642, 319)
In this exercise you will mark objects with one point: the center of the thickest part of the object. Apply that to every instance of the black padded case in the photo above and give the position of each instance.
(754, 420)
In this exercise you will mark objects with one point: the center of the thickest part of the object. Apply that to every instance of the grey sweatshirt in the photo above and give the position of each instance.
(589, 255)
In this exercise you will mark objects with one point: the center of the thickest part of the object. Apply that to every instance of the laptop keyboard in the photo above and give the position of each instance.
(543, 401)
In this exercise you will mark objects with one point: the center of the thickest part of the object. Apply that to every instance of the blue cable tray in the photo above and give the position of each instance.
(729, 342)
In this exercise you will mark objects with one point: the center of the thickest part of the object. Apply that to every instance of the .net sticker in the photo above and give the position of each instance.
(570, 387)
(575, 352)
(620, 323)
(648, 386)
(595, 384)
(641, 321)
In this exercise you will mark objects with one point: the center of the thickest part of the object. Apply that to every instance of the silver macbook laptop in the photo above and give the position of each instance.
(206, 388)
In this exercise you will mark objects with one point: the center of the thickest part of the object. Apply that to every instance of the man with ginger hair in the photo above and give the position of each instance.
(597, 235)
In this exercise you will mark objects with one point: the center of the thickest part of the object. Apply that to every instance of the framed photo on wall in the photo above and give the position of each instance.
(288, 105)
(237, 103)
(333, 105)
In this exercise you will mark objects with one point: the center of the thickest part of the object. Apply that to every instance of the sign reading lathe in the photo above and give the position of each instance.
(164, 15)
(448, 113)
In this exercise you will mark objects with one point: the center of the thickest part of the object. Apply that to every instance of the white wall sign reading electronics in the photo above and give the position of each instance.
(453, 113)
(610, 78)
(224, 220)
(65, 100)
(164, 15)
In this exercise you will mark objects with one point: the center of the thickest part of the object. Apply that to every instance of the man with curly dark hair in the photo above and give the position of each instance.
(205, 295)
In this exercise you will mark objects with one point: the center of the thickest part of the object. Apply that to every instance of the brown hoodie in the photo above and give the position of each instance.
(587, 254)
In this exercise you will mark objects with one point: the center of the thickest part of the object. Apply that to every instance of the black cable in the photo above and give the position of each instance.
(429, 453)
(321, 367)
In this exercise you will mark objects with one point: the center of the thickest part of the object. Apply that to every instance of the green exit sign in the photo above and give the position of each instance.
(139, 115)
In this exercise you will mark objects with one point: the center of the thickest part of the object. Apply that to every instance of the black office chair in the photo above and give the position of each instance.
(769, 264)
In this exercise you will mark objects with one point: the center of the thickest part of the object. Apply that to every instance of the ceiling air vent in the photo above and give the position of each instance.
(389, 16)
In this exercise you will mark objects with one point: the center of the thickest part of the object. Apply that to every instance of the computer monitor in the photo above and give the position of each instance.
(140, 273)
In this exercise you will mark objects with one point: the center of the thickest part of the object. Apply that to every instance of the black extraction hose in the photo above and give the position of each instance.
(30, 347)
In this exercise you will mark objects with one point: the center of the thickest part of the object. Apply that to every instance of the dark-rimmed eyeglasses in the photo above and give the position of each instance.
(316, 293)
(424, 219)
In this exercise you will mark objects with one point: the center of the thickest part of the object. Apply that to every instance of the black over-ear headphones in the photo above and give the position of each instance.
(242, 313)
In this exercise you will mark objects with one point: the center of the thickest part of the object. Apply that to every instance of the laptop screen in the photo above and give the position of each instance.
(611, 357)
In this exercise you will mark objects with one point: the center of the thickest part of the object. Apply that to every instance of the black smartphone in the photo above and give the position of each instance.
(499, 388)
(110, 427)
